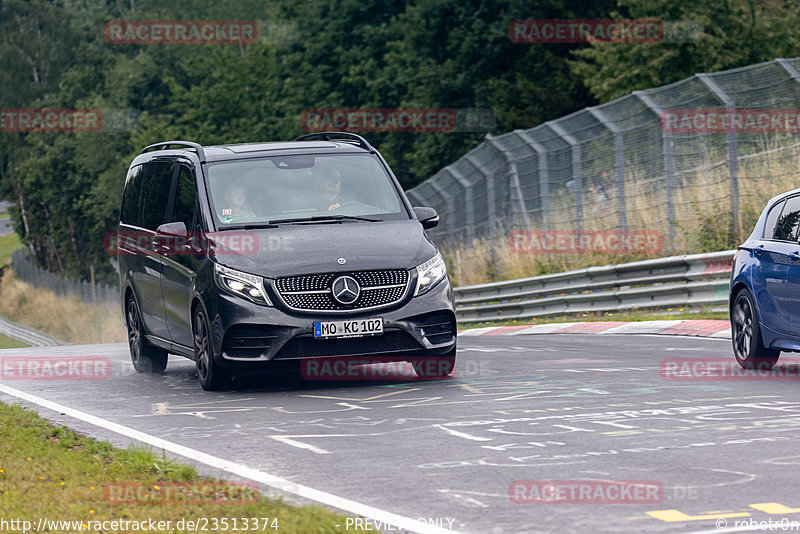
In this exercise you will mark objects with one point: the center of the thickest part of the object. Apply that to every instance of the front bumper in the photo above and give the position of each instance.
(246, 334)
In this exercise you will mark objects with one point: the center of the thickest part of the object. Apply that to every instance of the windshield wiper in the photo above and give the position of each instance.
(324, 218)
(248, 226)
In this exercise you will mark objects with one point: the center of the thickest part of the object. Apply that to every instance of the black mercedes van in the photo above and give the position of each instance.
(241, 256)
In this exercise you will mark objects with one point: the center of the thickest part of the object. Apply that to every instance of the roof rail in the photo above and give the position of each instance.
(326, 136)
(201, 154)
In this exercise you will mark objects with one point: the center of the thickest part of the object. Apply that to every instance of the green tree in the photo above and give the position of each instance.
(735, 33)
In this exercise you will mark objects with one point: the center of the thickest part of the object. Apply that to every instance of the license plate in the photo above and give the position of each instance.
(357, 328)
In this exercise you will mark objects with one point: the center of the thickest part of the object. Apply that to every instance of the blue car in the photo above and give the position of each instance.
(765, 286)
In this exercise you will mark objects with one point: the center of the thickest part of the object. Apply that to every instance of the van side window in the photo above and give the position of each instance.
(787, 225)
(129, 213)
(185, 198)
(155, 195)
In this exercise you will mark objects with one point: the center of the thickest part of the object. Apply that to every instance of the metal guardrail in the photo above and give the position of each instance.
(696, 280)
(28, 335)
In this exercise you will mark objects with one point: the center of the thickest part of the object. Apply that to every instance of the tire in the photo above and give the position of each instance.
(435, 366)
(748, 346)
(212, 377)
(145, 357)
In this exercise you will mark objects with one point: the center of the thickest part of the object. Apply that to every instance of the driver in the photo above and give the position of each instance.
(328, 182)
(236, 198)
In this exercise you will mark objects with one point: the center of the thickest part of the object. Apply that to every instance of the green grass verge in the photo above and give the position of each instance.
(8, 244)
(668, 315)
(10, 343)
(52, 472)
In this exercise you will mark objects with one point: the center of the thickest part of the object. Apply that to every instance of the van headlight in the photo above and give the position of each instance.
(429, 274)
(248, 286)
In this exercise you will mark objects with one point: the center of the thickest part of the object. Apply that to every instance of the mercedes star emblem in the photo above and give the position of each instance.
(341, 261)
(345, 289)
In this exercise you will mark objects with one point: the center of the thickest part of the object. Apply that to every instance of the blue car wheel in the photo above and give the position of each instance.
(748, 346)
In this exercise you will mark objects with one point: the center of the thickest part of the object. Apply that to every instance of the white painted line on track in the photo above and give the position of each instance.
(299, 444)
(241, 470)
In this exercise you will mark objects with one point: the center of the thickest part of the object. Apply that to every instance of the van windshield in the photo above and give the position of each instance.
(302, 187)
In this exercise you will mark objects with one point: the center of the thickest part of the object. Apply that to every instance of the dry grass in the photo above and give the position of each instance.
(702, 208)
(53, 472)
(66, 318)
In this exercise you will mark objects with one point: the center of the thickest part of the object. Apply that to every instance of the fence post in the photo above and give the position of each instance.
(544, 176)
(469, 208)
(94, 301)
(619, 165)
(490, 200)
(669, 165)
(577, 171)
(733, 150)
(449, 203)
(420, 200)
(514, 185)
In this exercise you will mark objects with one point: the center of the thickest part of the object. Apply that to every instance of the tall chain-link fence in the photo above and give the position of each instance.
(713, 145)
(28, 272)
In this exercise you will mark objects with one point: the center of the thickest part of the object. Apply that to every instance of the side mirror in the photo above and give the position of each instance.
(428, 217)
(173, 228)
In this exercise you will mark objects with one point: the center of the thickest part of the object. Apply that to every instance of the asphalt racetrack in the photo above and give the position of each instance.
(534, 433)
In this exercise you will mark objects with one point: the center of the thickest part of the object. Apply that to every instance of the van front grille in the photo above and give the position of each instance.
(313, 292)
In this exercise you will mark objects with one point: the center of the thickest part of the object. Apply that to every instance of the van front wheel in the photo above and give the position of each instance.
(211, 375)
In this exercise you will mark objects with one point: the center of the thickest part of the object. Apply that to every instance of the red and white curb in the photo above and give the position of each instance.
(698, 328)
